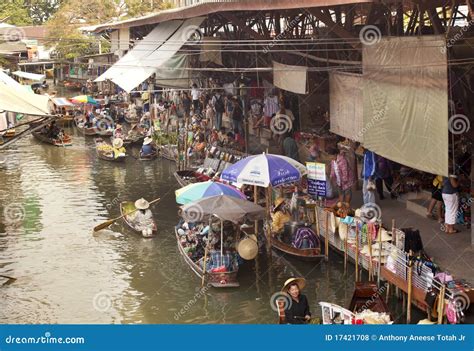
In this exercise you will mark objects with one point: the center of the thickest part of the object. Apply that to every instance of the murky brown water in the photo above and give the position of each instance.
(67, 274)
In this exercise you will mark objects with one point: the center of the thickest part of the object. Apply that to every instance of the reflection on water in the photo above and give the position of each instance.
(51, 198)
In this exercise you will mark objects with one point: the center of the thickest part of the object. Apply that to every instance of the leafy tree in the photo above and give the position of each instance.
(15, 12)
(42, 10)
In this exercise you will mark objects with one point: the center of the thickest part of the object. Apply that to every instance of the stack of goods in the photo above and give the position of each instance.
(370, 317)
(192, 237)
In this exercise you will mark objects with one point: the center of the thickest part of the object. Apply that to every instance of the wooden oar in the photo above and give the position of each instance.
(110, 221)
(204, 270)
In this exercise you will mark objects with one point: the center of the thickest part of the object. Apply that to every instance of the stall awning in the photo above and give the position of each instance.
(151, 54)
(30, 76)
(290, 78)
(15, 97)
(62, 102)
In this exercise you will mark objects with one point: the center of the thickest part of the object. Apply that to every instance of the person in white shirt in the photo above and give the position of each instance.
(196, 95)
(143, 218)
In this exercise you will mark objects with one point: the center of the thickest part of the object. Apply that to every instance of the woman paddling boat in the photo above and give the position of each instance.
(141, 220)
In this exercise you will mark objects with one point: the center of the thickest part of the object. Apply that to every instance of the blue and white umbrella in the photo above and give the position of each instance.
(264, 170)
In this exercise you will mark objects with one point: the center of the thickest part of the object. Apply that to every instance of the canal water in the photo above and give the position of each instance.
(51, 198)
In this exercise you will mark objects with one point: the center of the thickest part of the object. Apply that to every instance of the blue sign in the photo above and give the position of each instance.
(237, 337)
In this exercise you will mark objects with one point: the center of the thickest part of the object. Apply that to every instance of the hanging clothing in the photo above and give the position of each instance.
(342, 173)
(270, 106)
(368, 169)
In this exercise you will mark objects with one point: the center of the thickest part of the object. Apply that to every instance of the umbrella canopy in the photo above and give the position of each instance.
(197, 191)
(226, 207)
(84, 99)
(264, 170)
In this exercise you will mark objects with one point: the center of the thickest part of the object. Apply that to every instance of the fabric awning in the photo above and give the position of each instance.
(146, 58)
(174, 73)
(290, 78)
(15, 97)
(30, 76)
(62, 102)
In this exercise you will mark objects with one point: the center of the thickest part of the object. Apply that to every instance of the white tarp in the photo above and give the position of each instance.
(406, 101)
(146, 66)
(144, 48)
(173, 73)
(15, 97)
(211, 51)
(290, 78)
(30, 76)
(346, 105)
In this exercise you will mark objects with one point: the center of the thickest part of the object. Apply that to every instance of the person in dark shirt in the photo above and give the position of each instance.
(298, 311)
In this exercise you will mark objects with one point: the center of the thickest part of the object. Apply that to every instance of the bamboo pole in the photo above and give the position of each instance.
(369, 242)
(357, 254)
(441, 304)
(410, 287)
(345, 253)
(268, 229)
(255, 200)
(380, 254)
(326, 238)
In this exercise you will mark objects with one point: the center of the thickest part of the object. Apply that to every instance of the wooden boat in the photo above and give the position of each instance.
(65, 141)
(368, 296)
(302, 254)
(91, 131)
(169, 152)
(127, 207)
(133, 140)
(106, 153)
(150, 157)
(187, 177)
(216, 280)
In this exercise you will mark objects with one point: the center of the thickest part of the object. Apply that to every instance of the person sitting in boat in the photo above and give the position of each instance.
(143, 218)
(147, 149)
(118, 131)
(297, 311)
(280, 216)
(53, 130)
(118, 148)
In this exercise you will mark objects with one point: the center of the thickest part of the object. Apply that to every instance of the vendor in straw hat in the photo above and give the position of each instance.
(147, 148)
(118, 131)
(143, 218)
(296, 312)
(118, 148)
(280, 215)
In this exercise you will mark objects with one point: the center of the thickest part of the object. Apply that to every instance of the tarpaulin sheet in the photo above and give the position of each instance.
(15, 97)
(406, 101)
(144, 48)
(346, 105)
(174, 73)
(290, 78)
(211, 51)
(144, 67)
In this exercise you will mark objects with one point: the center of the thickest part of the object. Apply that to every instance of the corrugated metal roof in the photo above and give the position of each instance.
(214, 7)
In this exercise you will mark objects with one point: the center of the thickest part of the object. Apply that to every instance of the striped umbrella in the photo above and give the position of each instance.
(84, 99)
(264, 170)
(197, 191)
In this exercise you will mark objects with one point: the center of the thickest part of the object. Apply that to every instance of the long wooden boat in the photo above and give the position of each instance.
(65, 141)
(105, 154)
(216, 280)
(150, 157)
(302, 254)
(368, 296)
(187, 177)
(169, 152)
(127, 207)
(91, 131)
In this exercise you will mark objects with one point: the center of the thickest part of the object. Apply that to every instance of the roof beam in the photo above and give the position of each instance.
(341, 32)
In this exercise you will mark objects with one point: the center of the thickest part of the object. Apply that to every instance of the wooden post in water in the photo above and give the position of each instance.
(370, 266)
(326, 238)
(380, 254)
(357, 254)
(410, 287)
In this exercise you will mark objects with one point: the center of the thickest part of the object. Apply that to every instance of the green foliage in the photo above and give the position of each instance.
(15, 12)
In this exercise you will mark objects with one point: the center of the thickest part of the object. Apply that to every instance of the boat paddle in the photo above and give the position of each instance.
(110, 221)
